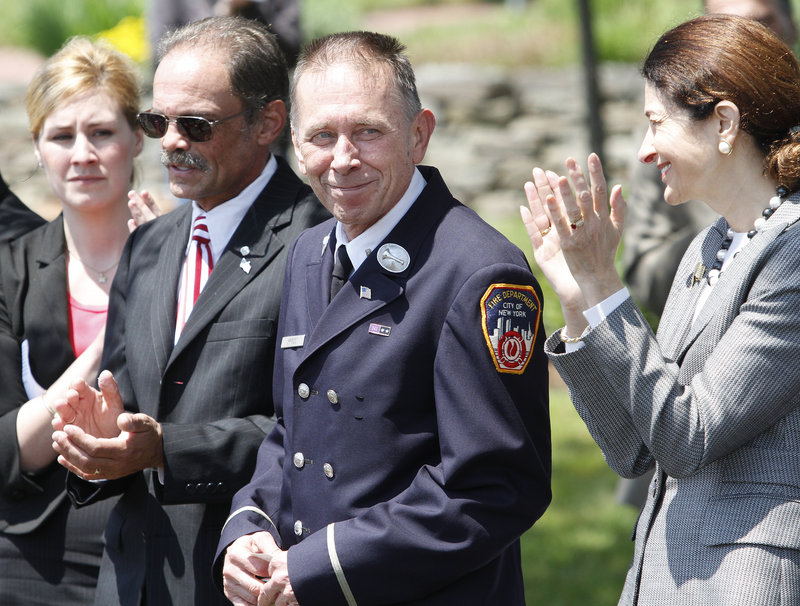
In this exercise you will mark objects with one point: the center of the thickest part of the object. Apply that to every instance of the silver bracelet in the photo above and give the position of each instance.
(566, 339)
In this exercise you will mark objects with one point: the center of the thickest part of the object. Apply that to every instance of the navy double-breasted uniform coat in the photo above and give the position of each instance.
(409, 455)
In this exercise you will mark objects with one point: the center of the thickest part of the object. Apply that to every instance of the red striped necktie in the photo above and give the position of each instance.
(196, 270)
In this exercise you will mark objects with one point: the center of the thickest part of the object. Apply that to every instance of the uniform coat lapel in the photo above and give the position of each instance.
(318, 280)
(348, 307)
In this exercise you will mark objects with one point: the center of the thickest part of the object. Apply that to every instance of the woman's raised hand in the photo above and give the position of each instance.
(574, 233)
(547, 245)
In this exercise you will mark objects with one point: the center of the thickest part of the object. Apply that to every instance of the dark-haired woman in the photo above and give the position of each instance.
(712, 400)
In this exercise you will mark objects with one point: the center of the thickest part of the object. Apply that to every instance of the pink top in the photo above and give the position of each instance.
(86, 322)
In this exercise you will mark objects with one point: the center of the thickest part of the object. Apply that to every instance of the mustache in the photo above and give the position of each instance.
(185, 159)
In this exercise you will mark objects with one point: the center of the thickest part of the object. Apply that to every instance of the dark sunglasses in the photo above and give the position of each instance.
(194, 128)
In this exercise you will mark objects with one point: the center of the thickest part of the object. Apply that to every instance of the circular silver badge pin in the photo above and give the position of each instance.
(393, 258)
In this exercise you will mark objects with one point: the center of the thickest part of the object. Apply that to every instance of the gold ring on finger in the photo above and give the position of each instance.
(545, 231)
(576, 224)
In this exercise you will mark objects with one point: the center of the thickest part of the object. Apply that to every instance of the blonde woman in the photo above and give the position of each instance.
(54, 285)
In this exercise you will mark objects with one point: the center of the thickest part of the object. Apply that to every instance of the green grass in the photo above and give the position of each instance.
(579, 551)
(546, 32)
(500, 37)
(44, 25)
(626, 29)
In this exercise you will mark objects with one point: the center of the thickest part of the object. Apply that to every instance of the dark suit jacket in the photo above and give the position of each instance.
(39, 531)
(15, 217)
(211, 392)
(405, 465)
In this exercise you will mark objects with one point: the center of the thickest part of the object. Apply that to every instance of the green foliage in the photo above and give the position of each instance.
(579, 551)
(545, 32)
(321, 17)
(626, 29)
(499, 37)
(44, 25)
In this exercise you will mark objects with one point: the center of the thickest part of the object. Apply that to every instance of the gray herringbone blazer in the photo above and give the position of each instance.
(716, 405)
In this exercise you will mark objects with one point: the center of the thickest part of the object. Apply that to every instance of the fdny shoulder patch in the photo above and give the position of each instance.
(510, 319)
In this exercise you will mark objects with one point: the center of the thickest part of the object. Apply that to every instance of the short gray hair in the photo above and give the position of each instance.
(366, 50)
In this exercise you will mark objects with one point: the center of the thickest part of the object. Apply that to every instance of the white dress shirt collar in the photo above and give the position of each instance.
(360, 247)
(223, 219)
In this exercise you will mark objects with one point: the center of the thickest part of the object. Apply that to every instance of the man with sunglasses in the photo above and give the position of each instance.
(193, 371)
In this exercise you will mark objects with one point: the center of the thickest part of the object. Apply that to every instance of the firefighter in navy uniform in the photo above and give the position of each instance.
(412, 447)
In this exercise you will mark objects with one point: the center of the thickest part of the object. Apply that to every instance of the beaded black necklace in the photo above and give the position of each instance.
(774, 203)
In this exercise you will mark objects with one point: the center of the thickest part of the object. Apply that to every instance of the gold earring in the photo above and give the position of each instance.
(725, 148)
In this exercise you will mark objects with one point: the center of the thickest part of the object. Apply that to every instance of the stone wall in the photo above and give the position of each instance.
(493, 126)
